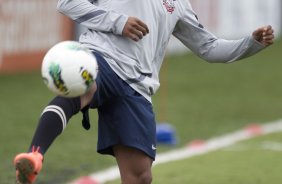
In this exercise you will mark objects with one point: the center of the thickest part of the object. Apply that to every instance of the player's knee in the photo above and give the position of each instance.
(87, 97)
(145, 178)
(138, 178)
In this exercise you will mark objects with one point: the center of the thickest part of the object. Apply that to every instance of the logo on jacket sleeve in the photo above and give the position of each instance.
(169, 5)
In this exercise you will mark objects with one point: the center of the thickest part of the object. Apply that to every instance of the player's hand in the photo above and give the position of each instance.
(135, 29)
(264, 35)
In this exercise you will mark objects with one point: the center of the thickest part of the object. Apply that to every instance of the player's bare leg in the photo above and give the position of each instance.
(134, 165)
(87, 97)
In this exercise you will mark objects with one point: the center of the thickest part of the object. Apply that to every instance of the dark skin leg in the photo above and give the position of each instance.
(134, 165)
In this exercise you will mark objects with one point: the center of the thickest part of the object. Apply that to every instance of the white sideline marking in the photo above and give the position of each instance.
(204, 147)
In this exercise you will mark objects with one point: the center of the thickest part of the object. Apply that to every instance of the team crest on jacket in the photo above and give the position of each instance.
(169, 5)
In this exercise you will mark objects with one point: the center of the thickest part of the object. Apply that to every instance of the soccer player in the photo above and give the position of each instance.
(128, 38)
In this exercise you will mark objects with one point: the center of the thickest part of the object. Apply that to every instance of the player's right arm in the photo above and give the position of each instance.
(99, 19)
(92, 17)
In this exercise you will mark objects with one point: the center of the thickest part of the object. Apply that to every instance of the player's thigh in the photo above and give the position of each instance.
(87, 97)
(133, 162)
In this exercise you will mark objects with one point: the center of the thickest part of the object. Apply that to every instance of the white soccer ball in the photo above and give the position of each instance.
(69, 69)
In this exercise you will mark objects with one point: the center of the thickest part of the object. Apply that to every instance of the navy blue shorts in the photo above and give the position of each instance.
(125, 116)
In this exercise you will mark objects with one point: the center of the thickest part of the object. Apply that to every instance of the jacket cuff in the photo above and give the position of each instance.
(120, 23)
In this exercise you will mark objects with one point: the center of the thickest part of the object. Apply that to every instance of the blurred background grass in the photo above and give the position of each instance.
(199, 99)
(255, 161)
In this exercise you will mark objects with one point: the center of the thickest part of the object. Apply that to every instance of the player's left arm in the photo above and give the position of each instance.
(217, 50)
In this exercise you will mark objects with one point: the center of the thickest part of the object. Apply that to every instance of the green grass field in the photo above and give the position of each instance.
(255, 161)
(247, 162)
(201, 100)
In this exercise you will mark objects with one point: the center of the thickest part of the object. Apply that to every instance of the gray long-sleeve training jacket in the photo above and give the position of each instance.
(139, 63)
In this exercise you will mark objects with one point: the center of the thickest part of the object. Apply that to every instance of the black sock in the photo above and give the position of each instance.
(53, 121)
